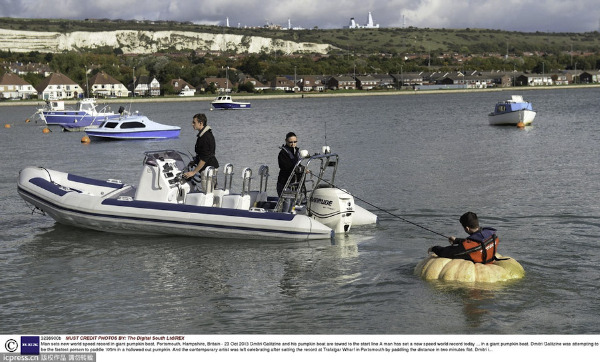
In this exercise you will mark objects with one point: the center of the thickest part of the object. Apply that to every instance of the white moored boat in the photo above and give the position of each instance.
(514, 111)
(163, 203)
(133, 127)
(83, 116)
(226, 102)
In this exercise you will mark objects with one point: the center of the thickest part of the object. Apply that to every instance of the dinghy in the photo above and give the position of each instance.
(164, 203)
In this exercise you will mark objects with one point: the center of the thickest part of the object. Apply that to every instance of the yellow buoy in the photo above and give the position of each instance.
(46, 130)
(460, 270)
(85, 139)
(7, 125)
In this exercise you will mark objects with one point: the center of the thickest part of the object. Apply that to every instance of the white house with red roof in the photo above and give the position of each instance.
(12, 87)
(58, 86)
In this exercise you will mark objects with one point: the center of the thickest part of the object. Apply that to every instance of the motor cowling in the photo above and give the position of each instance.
(332, 207)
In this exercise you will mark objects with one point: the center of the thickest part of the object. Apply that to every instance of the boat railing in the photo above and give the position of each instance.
(246, 181)
(309, 174)
(208, 179)
(228, 172)
(263, 172)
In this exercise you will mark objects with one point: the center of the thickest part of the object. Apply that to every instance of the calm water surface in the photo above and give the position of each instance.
(427, 158)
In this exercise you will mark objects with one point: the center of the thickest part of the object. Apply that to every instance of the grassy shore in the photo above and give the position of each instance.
(340, 93)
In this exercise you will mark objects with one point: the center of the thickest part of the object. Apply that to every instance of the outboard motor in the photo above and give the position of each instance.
(332, 207)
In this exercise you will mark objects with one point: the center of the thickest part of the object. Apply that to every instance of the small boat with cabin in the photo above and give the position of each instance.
(512, 112)
(133, 127)
(84, 115)
(226, 102)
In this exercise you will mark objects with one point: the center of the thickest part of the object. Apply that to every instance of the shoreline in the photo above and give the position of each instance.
(204, 98)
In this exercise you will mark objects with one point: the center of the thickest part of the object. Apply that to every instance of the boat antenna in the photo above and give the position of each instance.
(379, 208)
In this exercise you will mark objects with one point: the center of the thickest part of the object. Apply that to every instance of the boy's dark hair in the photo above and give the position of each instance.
(290, 134)
(469, 219)
(201, 117)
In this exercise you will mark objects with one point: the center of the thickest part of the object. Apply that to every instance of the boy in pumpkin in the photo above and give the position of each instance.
(480, 246)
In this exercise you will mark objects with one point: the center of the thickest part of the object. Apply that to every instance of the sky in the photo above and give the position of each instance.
(511, 15)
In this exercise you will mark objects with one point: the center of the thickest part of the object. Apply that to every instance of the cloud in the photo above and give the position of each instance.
(517, 15)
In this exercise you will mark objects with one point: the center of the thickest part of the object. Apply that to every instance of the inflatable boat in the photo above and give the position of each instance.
(310, 207)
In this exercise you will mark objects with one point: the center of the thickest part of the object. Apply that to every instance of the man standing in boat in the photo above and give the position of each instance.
(205, 147)
(287, 159)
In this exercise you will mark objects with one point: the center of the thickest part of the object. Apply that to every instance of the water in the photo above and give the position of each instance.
(427, 158)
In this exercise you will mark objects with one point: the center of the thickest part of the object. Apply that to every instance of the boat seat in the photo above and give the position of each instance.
(236, 201)
(257, 197)
(199, 199)
(218, 197)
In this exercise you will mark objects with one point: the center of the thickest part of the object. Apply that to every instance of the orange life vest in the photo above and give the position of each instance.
(479, 248)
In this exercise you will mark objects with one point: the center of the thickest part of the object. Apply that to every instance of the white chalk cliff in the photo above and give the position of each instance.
(144, 42)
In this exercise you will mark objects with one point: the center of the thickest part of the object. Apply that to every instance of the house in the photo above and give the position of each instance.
(560, 79)
(410, 79)
(58, 86)
(258, 86)
(366, 82)
(534, 79)
(498, 79)
(12, 86)
(341, 82)
(311, 83)
(282, 84)
(146, 86)
(384, 81)
(20, 68)
(590, 77)
(182, 87)
(223, 85)
(104, 85)
(572, 76)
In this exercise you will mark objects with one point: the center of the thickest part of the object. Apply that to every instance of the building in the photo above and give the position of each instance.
(366, 82)
(58, 86)
(341, 82)
(14, 87)
(590, 77)
(283, 84)
(368, 25)
(258, 86)
(534, 79)
(182, 87)
(223, 85)
(146, 86)
(311, 83)
(104, 85)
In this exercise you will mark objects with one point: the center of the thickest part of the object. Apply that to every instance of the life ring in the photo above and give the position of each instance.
(436, 268)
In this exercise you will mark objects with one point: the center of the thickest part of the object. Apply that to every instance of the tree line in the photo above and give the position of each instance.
(194, 68)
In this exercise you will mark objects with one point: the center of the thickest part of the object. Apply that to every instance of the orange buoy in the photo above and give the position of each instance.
(46, 130)
(27, 120)
(85, 139)
(521, 125)
(7, 125)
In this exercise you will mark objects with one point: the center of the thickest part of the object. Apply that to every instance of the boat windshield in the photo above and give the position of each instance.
(152, 156)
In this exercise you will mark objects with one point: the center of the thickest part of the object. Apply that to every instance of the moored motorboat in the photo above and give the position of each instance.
(84, 115)
(132, 127)
(226, 102)
(514, 111)
(164, 203)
